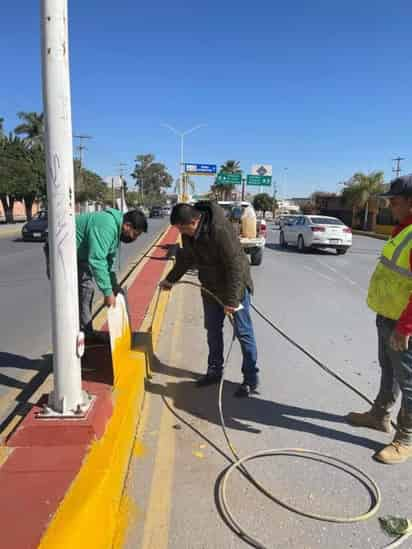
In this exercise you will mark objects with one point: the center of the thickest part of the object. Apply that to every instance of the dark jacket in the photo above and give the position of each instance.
(216, 252)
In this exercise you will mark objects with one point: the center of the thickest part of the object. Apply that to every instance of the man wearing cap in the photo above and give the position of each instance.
(390, 296)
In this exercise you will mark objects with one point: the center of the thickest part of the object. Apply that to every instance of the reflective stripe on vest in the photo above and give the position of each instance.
(391, 283)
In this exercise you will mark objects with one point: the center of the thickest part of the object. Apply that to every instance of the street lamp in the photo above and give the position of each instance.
(182, 185)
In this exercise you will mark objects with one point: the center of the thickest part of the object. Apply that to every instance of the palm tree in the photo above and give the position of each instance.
(360, 189)
(230, 166)
(1, 127)
(32, 127)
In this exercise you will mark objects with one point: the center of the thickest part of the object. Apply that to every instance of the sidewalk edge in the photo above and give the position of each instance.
(88, 515)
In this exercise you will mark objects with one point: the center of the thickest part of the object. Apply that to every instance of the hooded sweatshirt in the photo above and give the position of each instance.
(98, 239)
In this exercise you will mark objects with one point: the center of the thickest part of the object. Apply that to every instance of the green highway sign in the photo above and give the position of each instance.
(229, 178)
(259, 180)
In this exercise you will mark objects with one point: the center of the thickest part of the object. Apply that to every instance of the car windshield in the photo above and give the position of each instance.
(326, 221)
(41, 215)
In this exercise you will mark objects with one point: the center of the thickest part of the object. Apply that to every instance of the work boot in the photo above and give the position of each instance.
(212, 377)
(396, 452)
(371, 419)
(246, 389)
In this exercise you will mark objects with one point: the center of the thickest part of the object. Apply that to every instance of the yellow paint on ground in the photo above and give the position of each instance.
(89, 514)
(156, 528)
(384, 229)
(128, 512)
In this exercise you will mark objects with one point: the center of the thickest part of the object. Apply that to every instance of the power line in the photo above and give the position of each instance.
(397, 168)
(80, 147)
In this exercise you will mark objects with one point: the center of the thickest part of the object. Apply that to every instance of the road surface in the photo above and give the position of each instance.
(25, 330)
(318, 299)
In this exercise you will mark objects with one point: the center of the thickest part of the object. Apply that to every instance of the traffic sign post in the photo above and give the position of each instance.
(200, 169)
(229, 178)
(259, 180)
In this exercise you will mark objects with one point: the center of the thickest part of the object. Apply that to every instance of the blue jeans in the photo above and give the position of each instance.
(214, 319)
(396, 379)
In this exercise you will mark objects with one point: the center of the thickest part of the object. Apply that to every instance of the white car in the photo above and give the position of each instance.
(316, 231)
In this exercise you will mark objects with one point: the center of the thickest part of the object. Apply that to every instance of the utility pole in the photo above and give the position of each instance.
(80, 147)
(67, 398)
(183, 179)
(122, 166)
(397, 168)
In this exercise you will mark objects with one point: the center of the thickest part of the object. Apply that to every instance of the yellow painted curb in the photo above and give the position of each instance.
(11, 231)
(88, 515)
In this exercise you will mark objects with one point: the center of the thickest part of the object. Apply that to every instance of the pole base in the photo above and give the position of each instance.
(81, 411)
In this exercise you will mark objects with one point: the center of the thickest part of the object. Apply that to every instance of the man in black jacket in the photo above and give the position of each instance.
(211, 246)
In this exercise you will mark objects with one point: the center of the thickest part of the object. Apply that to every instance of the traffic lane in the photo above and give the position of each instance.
(298, 406)
(322, 303)
(365, 252)
(25, 320)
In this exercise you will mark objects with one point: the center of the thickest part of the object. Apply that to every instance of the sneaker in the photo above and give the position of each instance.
(371, 420)
(209, 379)
(245, 390)
(396, 452)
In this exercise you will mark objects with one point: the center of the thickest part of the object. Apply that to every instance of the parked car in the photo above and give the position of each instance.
(156, 211)
(316, 231)
(167, 210)
(37, 228)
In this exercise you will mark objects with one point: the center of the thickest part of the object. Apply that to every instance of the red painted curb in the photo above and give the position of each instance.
(48, 454)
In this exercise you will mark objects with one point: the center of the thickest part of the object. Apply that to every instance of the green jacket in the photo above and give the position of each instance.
(216, 252)
(98, 239)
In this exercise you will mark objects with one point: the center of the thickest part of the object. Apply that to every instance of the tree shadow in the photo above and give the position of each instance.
(20, 404)
(239, 413)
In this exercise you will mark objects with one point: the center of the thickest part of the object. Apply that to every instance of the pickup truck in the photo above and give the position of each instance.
(252, 246)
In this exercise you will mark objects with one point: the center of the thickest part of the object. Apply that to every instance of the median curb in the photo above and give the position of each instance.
(70, 493)
(372, 235)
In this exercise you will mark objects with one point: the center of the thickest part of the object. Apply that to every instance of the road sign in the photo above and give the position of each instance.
(259, 180)
(229, 178)
(200, 169)
(262, 169)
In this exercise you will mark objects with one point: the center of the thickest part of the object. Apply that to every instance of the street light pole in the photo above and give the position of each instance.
(67, 398)
(183, 186)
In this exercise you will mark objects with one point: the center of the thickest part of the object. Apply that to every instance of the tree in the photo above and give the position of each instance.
(263, 202)
(224, 192)
(151, 178)
(360, 189)
(32, 128)
(88, 185)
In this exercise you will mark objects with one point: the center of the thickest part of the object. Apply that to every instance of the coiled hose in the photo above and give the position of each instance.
(239, 463)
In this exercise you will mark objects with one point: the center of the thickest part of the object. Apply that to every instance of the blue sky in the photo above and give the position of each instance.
(320, 87)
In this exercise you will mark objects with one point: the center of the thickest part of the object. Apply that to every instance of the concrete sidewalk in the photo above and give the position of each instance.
(173, 488)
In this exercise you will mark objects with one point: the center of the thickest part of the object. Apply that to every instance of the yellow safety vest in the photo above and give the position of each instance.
(391, 284)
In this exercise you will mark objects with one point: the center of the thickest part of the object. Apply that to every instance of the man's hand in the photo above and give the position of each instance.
(230, 310)
(110, 300)
(399, 342)
(165, 285)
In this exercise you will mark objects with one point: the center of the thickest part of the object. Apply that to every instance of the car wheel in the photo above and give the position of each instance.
(256, 256)
(301, 244)
(282, 240)
(341, 251)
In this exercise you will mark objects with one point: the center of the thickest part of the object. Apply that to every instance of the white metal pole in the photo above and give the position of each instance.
(182, 169)
(67, 397)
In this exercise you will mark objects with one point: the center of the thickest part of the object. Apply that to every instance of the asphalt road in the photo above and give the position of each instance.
(318, 298)
(25, 330)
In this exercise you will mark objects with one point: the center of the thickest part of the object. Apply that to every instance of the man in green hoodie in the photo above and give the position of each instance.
(98, 237)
